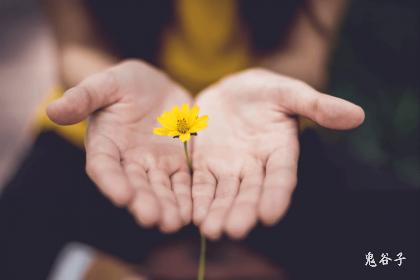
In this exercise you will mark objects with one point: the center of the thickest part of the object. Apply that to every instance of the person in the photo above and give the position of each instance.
(254, 67)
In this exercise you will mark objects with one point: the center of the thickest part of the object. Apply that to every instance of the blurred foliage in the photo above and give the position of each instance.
(376, 65)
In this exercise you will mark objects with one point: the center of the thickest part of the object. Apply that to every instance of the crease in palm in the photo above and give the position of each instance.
(244, 163)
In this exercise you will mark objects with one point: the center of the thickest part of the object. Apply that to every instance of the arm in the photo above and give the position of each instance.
(81, 51)
(245, 163)
(133, 168)
(306, 53)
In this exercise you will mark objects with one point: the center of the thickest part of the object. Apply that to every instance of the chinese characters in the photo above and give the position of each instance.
(384, 260)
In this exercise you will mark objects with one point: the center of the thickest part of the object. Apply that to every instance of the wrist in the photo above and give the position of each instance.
(311, 70)
(79, 62)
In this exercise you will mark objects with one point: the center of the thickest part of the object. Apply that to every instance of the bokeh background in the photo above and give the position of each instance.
(26, 74)
(375, 64)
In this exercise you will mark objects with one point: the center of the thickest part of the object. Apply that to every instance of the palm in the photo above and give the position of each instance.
(128, 163)
(245, 163)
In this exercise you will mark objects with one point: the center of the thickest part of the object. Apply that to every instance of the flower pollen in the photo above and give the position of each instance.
(182, 125)
(181, 122)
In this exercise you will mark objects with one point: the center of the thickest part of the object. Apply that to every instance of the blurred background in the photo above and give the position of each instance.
(375, 64)
(26, 74)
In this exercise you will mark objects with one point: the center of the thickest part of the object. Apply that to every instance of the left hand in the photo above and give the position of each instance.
(245, 163)
(131, 166)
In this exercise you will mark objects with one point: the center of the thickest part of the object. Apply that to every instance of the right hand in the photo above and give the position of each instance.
(130, 165)
(245, 162)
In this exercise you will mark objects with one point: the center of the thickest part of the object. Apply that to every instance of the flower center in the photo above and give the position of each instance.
(182, 126)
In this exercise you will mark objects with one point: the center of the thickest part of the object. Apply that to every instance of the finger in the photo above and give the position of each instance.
(226, 191)
(243, 214)
(203, 189)
(279, 182)
(77, 103)
(170, 219)
(324, 109)
(104, 168)
(181, 185)
(145, 206)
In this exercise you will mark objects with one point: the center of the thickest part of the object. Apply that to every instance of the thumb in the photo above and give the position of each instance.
(326, 110)
(77, 103)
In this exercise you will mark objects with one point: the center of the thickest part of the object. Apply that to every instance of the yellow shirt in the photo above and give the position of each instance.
(206, 43)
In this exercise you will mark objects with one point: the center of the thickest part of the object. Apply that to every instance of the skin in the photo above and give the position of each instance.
(129, 164)
(245, 162)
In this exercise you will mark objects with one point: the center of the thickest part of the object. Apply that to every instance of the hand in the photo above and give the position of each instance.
(129, 164)
(245, 162)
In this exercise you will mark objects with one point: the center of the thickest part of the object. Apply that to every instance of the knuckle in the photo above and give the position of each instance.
(225, 193)
(236, 232)
(107, 83)
(91, 162)
(202, 191)
(75, 101)
(293, 182)
(90, 169)
(203, 178)
(268, 220)
(181, 178)
(150, 161)
(160, 181)
(91, 166)
(97, 88)
(182, 194)
(109, 79)
(315, 108)
(120, 200)
(88, 92)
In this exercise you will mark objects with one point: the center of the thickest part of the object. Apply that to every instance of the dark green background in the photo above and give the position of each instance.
(376, 65)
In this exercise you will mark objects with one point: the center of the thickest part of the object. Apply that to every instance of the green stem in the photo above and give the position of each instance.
(189, 162)
(202, 261)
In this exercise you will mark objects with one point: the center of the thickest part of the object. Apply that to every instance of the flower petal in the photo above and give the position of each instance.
(173, 133)
(185, 109)
(181, 121)
(184, 137)
(167, 120)
(193, 114)
(203, 118)
(175, 111)
(160, 131)
(197, 127)
(166, 123)
(185, 113)
(199, 124)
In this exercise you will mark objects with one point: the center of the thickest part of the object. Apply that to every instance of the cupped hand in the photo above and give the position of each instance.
(129, 164)
(245, 162)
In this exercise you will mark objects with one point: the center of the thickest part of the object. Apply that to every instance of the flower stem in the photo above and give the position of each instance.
(189, 162)
(202, 261)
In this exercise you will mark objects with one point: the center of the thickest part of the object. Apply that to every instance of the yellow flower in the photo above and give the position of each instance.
(181, 123)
